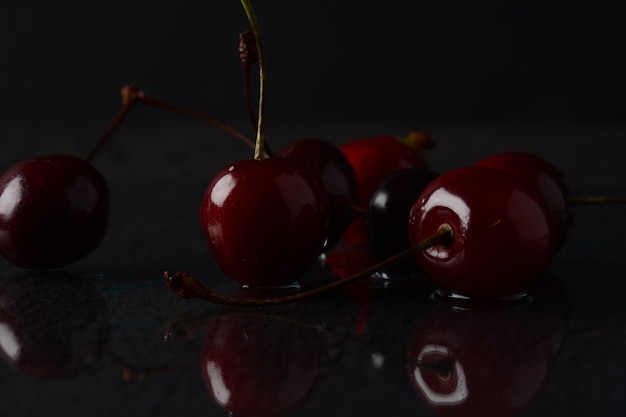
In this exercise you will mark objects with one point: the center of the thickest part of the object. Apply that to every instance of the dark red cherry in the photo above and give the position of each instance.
(372, 160)
(332, 167)
(388, 214)
(53, 211)
(52, 325)
(485, 362)
(265, 221)
(546, 178)
(261, 366)
(503, 233)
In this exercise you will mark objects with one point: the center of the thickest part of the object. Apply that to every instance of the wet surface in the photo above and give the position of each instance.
(105, 336)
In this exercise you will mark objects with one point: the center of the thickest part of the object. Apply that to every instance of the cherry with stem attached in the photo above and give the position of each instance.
(504, 234)
(321, 157)
(256, 211)
(54, 209)
(550, 182)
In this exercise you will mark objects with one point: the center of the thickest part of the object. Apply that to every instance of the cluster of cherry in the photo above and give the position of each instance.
(485, 231)
(482, 231)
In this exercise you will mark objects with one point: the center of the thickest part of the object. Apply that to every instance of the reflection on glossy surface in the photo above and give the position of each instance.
(261, 366)
(486, 362)
(346, 260)
(52, 325)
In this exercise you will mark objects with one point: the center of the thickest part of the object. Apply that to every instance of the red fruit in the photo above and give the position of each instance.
(53, 211)
(332, 167)
(547, 179)
(503, 233)
(265, 221)
(372, 160)
(259, 366)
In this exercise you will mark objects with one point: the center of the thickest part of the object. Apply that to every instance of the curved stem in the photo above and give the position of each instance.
(186, 286)
(595, 200)
(259, 151)
(129, 97)
(145, 99)
(355, 209)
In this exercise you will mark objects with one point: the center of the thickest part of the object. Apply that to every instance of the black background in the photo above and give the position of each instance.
(417, 62)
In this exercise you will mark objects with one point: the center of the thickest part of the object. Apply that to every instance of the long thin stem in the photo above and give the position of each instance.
(143, 98)
(186, 286)
(259, 151)
(129, 97)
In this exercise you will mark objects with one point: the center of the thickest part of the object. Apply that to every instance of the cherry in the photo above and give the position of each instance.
(372, 160)
(53, 211)
(546, 178)
(53, 325)
(503, 233)
(321, 157)
(265, 221)
(335, 171)
(486, 362)
(261, 366)
(388, 214)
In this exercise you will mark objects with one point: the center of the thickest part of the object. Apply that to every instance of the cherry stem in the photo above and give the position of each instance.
(595, 200)
(147, 100)
(259, 150)
(129, 97)
(186, 286)
(249, 56)
(357, 210)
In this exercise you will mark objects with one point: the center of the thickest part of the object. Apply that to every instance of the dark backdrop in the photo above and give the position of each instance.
(327, 60)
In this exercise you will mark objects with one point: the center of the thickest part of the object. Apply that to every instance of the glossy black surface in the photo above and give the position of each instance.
(105, 336)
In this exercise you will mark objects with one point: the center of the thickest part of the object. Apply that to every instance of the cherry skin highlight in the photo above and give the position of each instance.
(53, 211)
(372, 160)
(546, 178)
(335, 171)
(388, 214)
(265, 221)
(504, 233)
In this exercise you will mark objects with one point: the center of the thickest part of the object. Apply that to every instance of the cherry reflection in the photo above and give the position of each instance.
(52, 325)
(490, 362)
(261, 366)
(349, 259)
